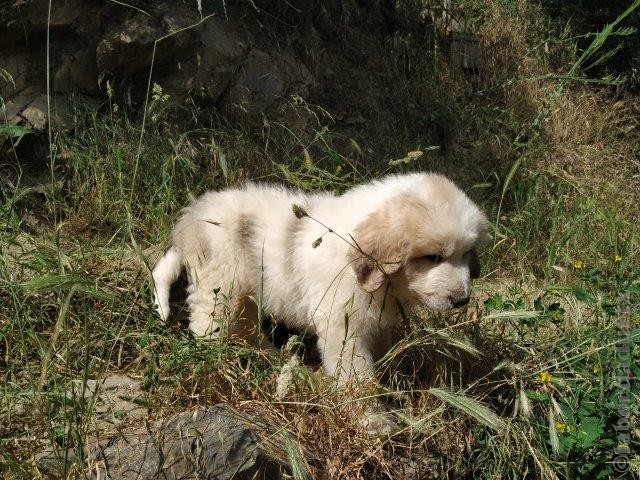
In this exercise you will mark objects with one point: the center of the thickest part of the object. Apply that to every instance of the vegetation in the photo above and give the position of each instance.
(527, 382)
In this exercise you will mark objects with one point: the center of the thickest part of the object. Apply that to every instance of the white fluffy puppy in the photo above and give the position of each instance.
(337, 266)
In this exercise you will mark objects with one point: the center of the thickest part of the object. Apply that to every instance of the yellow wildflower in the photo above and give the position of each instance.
(545, 377)
(617, 258)
(597, 369)
(578, 264)
(561, 427)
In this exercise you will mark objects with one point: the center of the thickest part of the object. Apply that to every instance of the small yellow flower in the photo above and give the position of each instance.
(545, 377)
(617, 258)
(561, 427)
(338, 169)
(597, 369)
(578, 264)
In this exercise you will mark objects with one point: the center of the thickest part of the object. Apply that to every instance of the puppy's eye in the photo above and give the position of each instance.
(433, 258)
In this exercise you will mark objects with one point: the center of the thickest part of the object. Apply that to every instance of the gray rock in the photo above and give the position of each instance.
(29, 109)
(214, 61)
(264, 79)
(114, 399)
(212, 443)
(77, 71)
(208, 67)
(128, 48)
(33, 14)
(55, 465)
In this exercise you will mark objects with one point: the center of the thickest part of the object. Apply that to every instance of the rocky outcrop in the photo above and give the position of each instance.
(218, 64)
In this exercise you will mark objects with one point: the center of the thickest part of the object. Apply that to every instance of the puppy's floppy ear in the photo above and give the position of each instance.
(474, 264)
(379, 250)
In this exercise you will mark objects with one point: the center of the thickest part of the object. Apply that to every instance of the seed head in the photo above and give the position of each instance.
(298, 211)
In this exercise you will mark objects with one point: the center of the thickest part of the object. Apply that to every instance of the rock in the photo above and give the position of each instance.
(128, 48)
(214, 61)
(214, 442)
(211, 443)
(77, 72)
(115, 399)
(53, 466)
(34, 115)
(265, 78)
(207, 68)
(29, 14)
(17, 64)
(29, 109)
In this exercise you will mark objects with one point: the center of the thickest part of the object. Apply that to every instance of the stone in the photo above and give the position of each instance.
(206, 70)
(55, 465)
(115, 399)
(35, 115)
(29, 109)
(29, 14)
(214, 61)
(266, 80)
(17, 64)
(77, 72)
(128, 48)
(214, 442)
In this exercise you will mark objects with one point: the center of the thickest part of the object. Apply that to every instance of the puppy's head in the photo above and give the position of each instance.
(423, 241)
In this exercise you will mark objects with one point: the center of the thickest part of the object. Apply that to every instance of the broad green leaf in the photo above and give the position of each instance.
(539, 396)
(13, 131)
(581, 294)
(589, 431)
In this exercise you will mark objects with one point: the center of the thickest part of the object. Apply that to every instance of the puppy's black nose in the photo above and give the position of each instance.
(459, 301)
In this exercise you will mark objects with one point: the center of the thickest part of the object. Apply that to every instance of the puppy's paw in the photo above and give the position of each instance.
(204, 328)
(163, 310)
(378, 422)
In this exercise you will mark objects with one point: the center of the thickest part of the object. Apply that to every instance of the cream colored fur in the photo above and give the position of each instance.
(242, 246)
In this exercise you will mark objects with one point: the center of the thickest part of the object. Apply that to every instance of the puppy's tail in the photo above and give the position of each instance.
(166, 272)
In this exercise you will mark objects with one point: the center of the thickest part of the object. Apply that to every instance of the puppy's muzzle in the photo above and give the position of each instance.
(458, 301)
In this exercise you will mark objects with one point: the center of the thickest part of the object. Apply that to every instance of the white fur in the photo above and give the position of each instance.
(245, 246)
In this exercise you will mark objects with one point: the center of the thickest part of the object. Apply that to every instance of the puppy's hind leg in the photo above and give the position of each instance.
(164, 274)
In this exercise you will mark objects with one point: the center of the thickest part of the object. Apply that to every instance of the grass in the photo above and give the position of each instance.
(523, 384)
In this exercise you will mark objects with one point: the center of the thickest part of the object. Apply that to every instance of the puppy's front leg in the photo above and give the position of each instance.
(346, 357)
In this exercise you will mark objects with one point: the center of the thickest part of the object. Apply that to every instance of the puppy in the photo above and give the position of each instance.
(337, 266)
